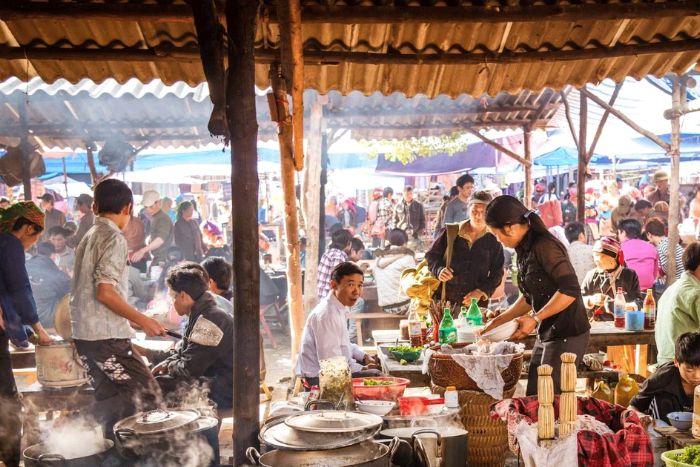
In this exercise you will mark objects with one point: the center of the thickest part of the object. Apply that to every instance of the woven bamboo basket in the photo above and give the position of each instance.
(488, 438)
(444, 371)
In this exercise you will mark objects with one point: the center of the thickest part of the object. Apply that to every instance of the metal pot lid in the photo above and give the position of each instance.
(157, 421)
(333, 421)
(275, 433)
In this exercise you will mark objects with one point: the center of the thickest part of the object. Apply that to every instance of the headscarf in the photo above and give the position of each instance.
(25, 209)
(611, 247)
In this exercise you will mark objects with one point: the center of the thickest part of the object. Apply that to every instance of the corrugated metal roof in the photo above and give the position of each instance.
(483, 42)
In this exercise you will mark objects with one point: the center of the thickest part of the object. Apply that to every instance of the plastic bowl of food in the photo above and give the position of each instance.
(671, 458)
(380, 408)
(380, 388)
(406, 352)
(681, 420)
(502, 332)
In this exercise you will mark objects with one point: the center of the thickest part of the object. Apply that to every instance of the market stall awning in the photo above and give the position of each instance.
(388, 46)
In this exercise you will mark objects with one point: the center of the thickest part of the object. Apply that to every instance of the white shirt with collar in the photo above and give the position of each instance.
(326, 335)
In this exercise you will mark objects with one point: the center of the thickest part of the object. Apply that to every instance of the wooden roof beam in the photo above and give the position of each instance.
(31, 10)
(429, 113)
(456, 126)
(314, 57)
(499, 147)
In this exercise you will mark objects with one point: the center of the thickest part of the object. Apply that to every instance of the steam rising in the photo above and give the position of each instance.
(75, 438)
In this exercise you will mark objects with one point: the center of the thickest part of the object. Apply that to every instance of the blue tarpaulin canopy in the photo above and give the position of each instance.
(566, 157)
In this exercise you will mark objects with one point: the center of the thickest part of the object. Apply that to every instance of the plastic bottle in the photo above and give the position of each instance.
(474, 314)
(451, 397)
(619, 308)
(603, 392)
(625, 390)
(462, 320)
(649, 311)
(414, 328)
(447, 332)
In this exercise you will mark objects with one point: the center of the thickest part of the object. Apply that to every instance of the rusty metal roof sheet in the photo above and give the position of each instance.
(636, 46)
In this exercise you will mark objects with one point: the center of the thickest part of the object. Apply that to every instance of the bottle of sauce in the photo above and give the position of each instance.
(603, 392)
(415, 334)
(619, 308)
(649, 311)
(625, 390)
(474, 314)
(447, 332)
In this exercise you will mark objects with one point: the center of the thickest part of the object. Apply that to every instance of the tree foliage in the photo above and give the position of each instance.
(407, 150)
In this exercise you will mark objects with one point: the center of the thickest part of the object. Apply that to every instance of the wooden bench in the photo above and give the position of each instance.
(359, 317)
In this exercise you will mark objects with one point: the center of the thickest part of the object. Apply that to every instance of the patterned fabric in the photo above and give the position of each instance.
(330, 259)
(629, 445)
(26, 209)
(385, 213)
(99, 259)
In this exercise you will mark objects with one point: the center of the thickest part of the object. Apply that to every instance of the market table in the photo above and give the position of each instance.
(23, 358)
(675, 438)
(411, 371)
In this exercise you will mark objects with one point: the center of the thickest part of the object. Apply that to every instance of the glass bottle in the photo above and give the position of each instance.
(447, 332)
(414, 328)
(649, 311)
(474, 314)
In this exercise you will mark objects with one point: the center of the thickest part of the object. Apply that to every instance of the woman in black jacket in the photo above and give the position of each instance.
(550, 300)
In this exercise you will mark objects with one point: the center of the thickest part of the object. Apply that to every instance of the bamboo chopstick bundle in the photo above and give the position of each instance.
(567, 400)
(545, 397)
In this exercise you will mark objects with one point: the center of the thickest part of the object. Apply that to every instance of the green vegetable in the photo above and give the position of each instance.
(377, 382)
(690, 455)
(405, 348)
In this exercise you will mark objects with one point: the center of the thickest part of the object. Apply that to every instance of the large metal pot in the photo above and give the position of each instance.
(38, 455)
(365, 454)
(431, 447)
(163, 435)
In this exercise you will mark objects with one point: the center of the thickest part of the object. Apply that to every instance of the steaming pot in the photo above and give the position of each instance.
(431, 447)
(163, 433)
(37, 456)
(365, 454)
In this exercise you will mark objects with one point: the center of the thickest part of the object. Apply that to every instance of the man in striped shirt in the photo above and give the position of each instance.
(656, 233)
(336, 253)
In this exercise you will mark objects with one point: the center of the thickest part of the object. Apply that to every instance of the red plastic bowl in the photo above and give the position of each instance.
(389, 392)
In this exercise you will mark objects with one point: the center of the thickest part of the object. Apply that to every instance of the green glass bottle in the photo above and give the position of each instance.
(474, 314)
(447, 332)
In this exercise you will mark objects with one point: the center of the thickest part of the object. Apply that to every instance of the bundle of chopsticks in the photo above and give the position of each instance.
(437, 308)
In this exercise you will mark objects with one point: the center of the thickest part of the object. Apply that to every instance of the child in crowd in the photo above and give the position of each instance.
(671, 387)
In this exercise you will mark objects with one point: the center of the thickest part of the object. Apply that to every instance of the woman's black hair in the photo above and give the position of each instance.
(398, 237)
(345, 269)
(22, 221)
(182, 207)
(631, 227)
(688, 349)
(508, 210)
(691, 256)
(112, 196)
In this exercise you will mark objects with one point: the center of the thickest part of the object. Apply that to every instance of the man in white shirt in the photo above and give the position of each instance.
(326, 333)
(580, 253)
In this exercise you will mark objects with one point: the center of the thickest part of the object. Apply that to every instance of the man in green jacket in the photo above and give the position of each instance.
(679, 307)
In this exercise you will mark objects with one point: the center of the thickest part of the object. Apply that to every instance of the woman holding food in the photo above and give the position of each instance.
(550, 299)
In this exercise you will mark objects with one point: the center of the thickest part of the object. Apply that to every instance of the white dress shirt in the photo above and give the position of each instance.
(326, 335)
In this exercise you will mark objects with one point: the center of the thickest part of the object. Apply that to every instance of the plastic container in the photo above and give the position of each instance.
(603, 392)
(634, 320)
(625, 390)
(390, 392)
(414, 406)
(451, 397)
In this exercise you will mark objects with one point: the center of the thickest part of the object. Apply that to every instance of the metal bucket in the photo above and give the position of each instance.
(58, 365)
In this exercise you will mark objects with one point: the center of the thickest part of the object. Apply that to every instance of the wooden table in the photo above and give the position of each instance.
(373, 317)
(24, 358)
(412, 371)
(675, 438)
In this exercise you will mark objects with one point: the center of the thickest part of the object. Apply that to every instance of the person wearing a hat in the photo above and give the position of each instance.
(84, 205)
(476, 269)
(21, 225)
(661, 192)
(550, 301)
(52, 216)
(161, 235)
(600, 284)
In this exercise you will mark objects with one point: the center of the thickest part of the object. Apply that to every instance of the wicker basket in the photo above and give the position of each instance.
(488, 438)
(444, 371)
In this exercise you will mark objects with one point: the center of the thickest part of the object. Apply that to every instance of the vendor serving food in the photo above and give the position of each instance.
(326, 332)
(550, 299)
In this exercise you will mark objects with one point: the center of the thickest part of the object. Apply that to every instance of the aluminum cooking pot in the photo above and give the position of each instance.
(37, 455)
(365, 454)
(431, 447)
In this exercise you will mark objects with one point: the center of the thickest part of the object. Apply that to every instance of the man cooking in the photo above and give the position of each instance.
(326, 333)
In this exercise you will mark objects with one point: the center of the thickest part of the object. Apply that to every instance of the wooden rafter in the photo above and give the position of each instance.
(601, 124)
(364, 15)
(499, 147)
(569, 119)
(665, 146)
(330, 58)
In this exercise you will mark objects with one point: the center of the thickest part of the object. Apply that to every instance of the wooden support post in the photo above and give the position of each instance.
(292, 53)
(498, 147)
(527, 140)
(674, 188)
(582, 156)
(279, 109)
(242, 123)
(569, 119)
(601, 124)
(322, 195)
(313, 208)
(26, 149)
